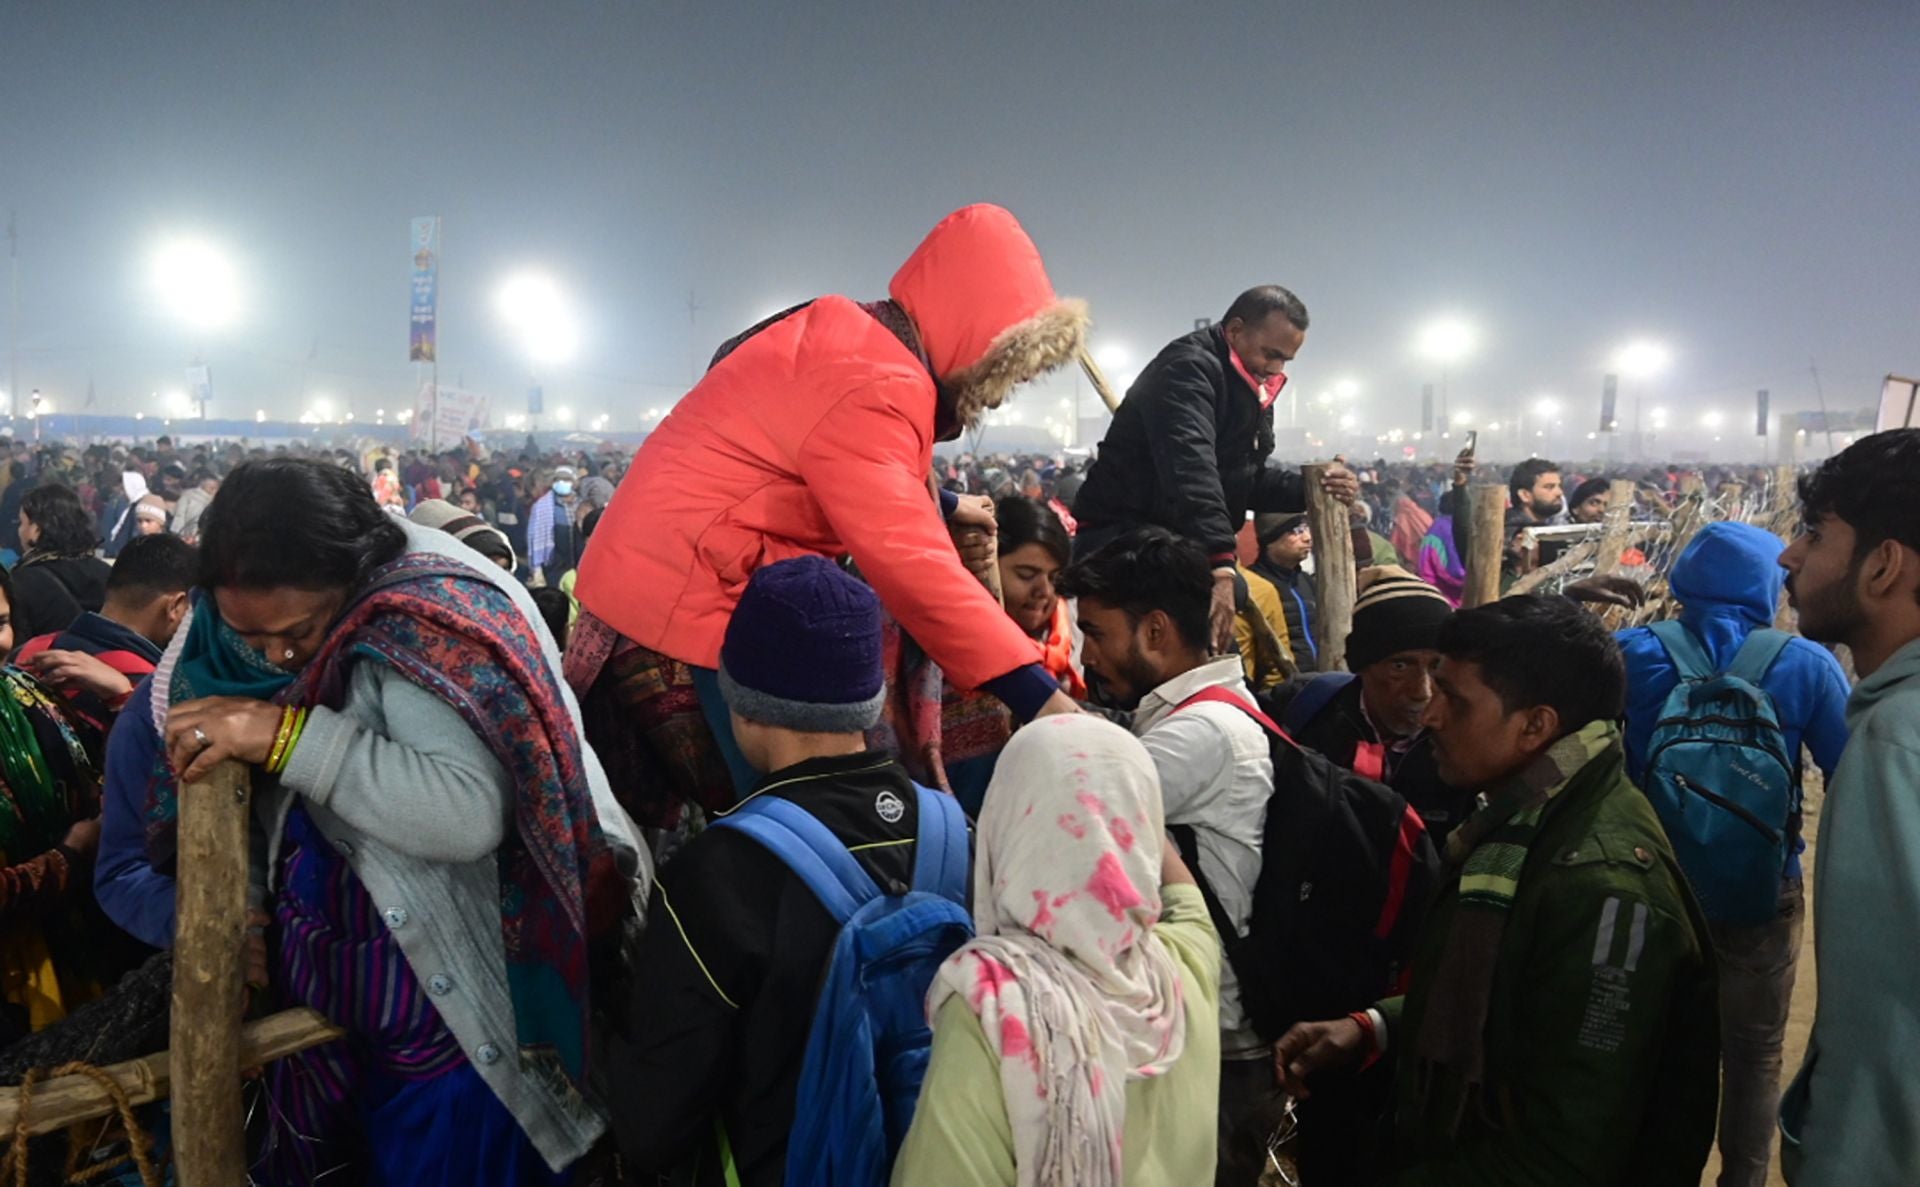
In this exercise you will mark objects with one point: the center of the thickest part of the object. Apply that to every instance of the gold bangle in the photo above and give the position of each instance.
(280, 739)
(298, 723)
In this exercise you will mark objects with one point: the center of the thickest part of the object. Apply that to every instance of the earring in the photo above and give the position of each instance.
(289, 653)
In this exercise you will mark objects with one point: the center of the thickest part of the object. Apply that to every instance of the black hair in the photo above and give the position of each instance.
(295, 522)
(1145, 570)
(152, 566)
(65, 527)
(591, 522)
(1873, 486)
(1599, 484)
(1025, 521)
(1526, 474)
(1261, 302)
(1541, 651)
(555, 607)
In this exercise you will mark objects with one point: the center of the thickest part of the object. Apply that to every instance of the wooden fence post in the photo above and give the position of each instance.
(1613, 541)
(209, 973)
(1333, 574)
(1486, 543)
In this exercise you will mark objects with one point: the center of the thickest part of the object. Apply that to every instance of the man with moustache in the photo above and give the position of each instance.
(1188, 449)
(1852, 1116)
(1368, 719)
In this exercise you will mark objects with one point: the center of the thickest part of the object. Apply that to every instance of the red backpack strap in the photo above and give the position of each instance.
(1215, 694)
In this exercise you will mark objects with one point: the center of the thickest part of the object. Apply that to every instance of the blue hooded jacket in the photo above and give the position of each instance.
(1728, 581)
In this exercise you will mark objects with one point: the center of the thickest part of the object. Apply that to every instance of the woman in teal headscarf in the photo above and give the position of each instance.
(430, 849)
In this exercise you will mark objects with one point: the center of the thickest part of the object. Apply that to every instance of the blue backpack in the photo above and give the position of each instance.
(868, 1049)
(1719, 775)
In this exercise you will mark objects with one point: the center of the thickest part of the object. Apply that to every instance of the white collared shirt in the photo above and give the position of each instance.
(1216, 775)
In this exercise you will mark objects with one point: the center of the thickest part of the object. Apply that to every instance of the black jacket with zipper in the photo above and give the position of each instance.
(729, 970)
(1187, 451)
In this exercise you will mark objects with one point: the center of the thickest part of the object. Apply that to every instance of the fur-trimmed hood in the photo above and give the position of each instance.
(986, 313)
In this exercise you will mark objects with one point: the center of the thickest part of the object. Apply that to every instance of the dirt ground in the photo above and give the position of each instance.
(1805, 987)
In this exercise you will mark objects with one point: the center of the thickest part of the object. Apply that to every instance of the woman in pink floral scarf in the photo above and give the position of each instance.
(1076, 1039)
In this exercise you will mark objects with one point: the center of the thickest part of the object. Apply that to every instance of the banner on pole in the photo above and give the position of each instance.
(1609, 396)
(1760, 402)
(426, 283)
(200, 386)
(1426, 408)
(460, 413)
(536, 400)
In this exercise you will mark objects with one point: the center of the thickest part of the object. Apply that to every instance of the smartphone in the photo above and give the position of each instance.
(1473, 440)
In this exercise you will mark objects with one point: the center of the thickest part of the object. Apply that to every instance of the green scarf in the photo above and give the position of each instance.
(35, 814)
(1490, 850)
(216, 662)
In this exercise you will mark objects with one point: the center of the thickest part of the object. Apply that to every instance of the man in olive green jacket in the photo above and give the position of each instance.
(1561, 1024)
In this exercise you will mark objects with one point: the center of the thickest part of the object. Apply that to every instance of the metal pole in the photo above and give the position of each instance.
(433, 405)
(13, 316)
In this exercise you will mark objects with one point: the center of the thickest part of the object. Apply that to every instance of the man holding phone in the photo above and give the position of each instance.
(1188, 448)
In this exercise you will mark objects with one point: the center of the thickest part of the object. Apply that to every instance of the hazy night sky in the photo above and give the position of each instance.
(1740, 183)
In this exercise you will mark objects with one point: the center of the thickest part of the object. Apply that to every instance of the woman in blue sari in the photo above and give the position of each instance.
(429, 842)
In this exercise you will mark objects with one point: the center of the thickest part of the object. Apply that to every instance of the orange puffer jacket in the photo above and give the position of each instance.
(816, 435)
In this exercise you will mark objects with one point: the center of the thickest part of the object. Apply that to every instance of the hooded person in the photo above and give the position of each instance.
(813, 433)
(1076, 1039)
(1728, 582)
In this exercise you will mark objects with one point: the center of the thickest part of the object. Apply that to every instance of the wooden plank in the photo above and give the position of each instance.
(209, 973)
(1486, 543)
(1332, 525)
(1613, 541)
(71, 1099)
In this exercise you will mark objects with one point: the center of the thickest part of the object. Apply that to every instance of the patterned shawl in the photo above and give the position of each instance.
(455, 634)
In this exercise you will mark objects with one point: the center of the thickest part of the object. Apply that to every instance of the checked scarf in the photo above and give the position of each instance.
(1490, 851)
(453, 633)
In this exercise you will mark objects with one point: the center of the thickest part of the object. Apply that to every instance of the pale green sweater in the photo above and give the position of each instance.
(961, 1137)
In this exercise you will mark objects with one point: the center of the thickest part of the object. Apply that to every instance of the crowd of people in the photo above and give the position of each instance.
(798, 805)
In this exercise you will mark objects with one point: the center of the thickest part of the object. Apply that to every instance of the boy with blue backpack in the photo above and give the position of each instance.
(777, 1030)
(1719, 706)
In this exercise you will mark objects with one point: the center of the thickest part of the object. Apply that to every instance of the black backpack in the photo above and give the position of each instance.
(1346, 876)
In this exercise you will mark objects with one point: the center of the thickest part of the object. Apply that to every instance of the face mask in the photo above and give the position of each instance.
(563, 488)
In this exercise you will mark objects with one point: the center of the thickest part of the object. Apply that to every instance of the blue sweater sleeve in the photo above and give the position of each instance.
(1826, 730)
(1024, 690)
(131, 892)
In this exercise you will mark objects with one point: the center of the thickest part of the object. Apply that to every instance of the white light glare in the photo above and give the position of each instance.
(1712, 418)
(195, 282)
(1447, 340)
(1642, 359)
(1347, 389)
(1546, 407)
(538, 314)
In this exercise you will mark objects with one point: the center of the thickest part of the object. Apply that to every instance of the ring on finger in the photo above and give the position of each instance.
(200, 736)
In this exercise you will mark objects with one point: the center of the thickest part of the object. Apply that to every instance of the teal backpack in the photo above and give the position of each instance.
(1719, 775)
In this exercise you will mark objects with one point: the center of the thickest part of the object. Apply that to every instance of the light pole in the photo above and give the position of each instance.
(541, 319)
(1446, 341)
(196, 284)
(1640, 360)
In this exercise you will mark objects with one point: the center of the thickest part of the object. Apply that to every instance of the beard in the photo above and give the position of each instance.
(1831, 613)
(1138, 676)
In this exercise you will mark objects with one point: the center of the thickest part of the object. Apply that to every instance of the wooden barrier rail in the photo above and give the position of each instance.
(209, 1047)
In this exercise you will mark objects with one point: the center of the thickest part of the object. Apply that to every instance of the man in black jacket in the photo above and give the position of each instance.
(704, 1084)
(1368, 720)
(1188, 448)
